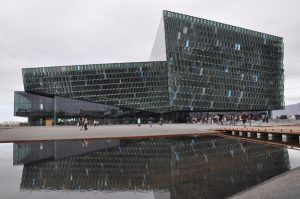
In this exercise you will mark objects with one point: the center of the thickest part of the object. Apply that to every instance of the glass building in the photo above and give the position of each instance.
(196, 65)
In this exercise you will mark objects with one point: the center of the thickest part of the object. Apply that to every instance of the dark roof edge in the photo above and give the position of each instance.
(102, 64)
(165, 12)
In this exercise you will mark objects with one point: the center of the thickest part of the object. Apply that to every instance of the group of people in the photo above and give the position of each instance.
(224, 119)
(229, 119)
(83, 123)
(213, 119)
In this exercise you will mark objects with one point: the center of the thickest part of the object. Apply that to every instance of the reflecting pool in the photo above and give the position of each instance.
(203, 167)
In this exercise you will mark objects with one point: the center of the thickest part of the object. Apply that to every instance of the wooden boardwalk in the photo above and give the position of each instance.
(284, 136)
(287, 129)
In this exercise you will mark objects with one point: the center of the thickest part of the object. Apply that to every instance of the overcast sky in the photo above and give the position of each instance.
(36, 33)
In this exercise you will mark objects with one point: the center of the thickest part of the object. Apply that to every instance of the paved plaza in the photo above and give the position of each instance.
(41, 133)
(103, 132)
(283, 186)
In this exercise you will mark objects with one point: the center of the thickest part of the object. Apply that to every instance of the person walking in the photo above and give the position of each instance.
(263, 118)
(81, 123)
(224, 120)
(244, 119)
(236, 119)
(160, 121)
(86, 122)
(151, 121)
(139, 121)
(250, 118)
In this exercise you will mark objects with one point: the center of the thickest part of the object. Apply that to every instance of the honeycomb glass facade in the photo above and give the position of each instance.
(195, 65)
(139, 85)
(214, 66)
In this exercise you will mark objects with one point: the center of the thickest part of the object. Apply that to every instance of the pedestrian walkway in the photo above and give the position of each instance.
(103, 132)
(286, 185)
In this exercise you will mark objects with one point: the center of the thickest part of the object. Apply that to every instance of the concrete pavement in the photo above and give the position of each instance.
(286, 185)
(103, 132)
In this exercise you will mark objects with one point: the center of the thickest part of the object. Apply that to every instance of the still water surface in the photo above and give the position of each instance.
(206, 167)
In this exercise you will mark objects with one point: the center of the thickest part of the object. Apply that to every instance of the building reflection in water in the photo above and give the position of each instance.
(206, 167)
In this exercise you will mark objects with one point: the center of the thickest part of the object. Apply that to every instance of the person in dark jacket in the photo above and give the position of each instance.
(244, 119)
(81, 123)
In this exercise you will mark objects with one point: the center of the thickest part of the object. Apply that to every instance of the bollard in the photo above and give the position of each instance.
(259, 136)
(270, 136)
(284, 137)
